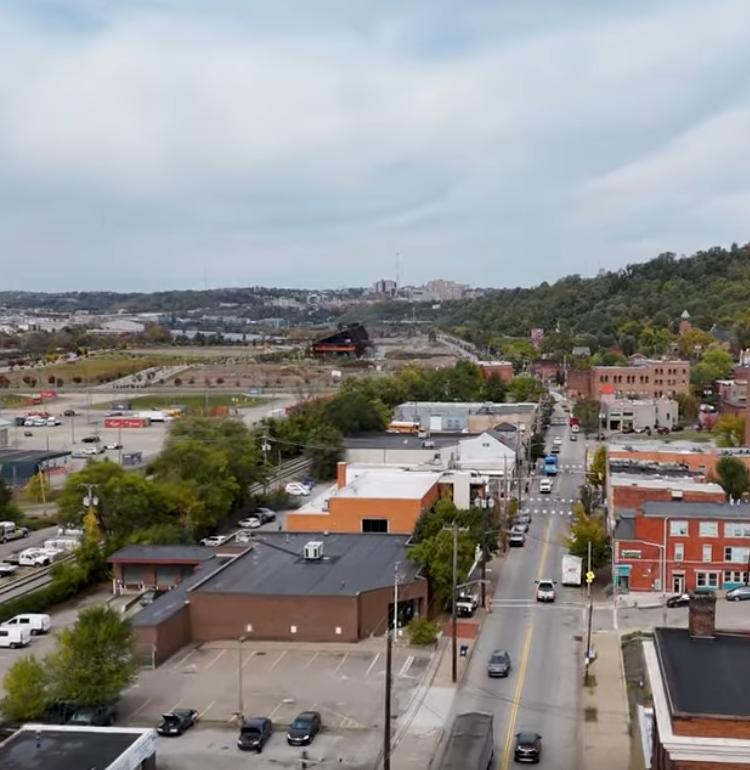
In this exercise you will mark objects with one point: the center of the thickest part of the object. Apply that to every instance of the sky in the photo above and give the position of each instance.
(166, 144)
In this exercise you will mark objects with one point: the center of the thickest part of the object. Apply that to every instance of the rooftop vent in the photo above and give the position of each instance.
(313, 550)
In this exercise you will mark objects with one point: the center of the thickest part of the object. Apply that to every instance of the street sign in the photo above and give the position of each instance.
(589, 577)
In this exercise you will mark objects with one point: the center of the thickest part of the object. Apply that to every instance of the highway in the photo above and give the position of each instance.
(542, 692)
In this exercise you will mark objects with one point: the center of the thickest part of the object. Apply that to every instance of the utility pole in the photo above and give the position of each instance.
(395, 599)
(240, 699)
(454, 623)
(484, 502)
(387, 715)
(591, 612)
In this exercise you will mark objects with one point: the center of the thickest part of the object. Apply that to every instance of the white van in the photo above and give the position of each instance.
(14, 637)
(34, 622)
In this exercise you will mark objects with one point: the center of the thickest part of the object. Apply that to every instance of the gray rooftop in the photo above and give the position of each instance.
(705, 676)
(351, 564)
(401, 441)
(29, 455)
(681, 510)
(163, 553)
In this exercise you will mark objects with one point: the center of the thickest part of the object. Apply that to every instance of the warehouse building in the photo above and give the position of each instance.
(287, 587)
(17, 466)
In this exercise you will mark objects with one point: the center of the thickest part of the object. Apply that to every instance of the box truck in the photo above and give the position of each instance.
(572, 567)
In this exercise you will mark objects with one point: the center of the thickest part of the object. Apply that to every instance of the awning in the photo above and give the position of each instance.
(623, 570)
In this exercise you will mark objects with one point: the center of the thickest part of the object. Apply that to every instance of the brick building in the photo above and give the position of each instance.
(287, 587)
(696, 460)
(367, 499)
(682, 546)
(644, 379)
(698, 681)
(503, 370)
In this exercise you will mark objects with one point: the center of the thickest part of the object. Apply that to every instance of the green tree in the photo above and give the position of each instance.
(733, 476)
(26, 690)
(688, 406)
(353, 412)
(95, 659)
(715, 364)
(493, 389)
(597, 471)
(587, 498)
(729, 430)
(37, 488)
(524, 388)
(587, 411)
(435, 555)
(9, 511)
(324, 449)
(584, 530)
(693, 342)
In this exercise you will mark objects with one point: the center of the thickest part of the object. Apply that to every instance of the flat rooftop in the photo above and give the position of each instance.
(475, 407)
(29, 455)
(683, 483)
(388, 484)
(704, 676)
(682, 510)
(158, 554)
(626, 444)
(351, 564)
(66, 749)
(401, 441)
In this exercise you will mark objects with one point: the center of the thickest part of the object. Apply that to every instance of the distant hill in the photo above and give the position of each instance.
(713, 286)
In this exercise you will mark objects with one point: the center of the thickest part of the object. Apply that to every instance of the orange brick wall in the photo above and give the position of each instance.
(634, 497)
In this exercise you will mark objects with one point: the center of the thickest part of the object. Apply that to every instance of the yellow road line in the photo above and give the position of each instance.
(524, 662)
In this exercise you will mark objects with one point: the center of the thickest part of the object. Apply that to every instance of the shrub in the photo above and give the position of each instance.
(422, 632)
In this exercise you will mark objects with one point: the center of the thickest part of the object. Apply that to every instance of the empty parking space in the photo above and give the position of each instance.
(344, 683)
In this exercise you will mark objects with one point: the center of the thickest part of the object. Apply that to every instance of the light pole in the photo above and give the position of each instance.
(240, 703)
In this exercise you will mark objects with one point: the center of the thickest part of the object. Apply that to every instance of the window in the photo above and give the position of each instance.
(737, 529)
(678, 528)
(679, 552)
(707, 553)
(734, 576)
(708, 529)
(375, 525)
(734, 554)
(707, 579)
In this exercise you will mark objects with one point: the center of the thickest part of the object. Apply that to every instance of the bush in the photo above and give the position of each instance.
(422, 632)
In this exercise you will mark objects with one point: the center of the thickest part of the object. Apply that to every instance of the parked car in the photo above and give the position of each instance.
(214, 540)
(498, 664)
(258, 519)
(12, 636)
(113, 446)
(251, 522)
(244, 536)
(297, 489)
(517, 539)
(254, 733)
(545, 486)
(7, 569)
(545, 591)
(91, 439)
(528, 747)
(149, 597)
(573, 437)
(35, 622)
(679, 600)
(103, 715)
(27, 433)
(69, 413)
(303, 730)
(739, 594)
(177, 721)
(521, 523)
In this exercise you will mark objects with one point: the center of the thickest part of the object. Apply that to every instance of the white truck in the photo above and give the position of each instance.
(34, 557)
(572, 568)
(9, 530)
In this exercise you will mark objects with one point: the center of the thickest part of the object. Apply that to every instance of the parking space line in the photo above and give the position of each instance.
(341, 663)
(140, 708)
(270, 716)
(221, 652)
(206, 710)
(406, 666)
(173, 707)
(310, 662)
(184, 660)
(249, 658)
(277, 661)
(374, 661)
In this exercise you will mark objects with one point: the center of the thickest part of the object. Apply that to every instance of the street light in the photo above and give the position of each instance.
(240, 703)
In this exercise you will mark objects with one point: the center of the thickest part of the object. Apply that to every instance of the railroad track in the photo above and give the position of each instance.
(37, 578)
(286, 471)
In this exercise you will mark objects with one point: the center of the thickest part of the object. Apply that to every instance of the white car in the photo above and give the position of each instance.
(34, 622)
(297, 489)
(557, 441)
(215, 540)
(545, 486)
(545, 591)
(252, 522)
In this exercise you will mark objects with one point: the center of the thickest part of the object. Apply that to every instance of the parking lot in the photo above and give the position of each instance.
(278, 680)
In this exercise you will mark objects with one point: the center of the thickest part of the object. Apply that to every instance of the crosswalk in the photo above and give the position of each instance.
(550, 500)
(548, 511)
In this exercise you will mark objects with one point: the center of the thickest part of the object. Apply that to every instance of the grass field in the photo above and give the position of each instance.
(11, 400)
(194, 403)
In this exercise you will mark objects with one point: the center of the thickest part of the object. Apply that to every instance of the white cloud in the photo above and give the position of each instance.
(293, 146)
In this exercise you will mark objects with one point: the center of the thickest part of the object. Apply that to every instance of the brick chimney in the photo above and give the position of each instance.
(702, 615)
(341, 475)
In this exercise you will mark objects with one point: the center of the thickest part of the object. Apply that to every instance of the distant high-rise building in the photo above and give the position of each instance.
(385, 286)
(442, 291)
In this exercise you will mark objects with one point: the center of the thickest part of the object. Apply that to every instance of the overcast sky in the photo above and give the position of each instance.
(145, 144)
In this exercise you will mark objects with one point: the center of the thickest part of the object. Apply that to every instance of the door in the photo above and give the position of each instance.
(678, 584)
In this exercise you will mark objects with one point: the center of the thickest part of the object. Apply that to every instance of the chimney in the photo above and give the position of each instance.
(341, 475)
(702, 615)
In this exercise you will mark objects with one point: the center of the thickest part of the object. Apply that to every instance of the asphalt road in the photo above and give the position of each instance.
(12, 547)
(542, 692)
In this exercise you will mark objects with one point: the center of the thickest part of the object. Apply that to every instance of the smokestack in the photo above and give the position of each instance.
(702, 615)
(341, 475)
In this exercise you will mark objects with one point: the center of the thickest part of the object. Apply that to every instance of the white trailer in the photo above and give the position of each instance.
(572, 568)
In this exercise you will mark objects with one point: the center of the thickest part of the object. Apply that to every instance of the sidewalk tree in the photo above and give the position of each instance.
(9, 511)
(95, 659)
(324, 448)
(729, 430)
(688, 406)
(524, 387)
(587, 412)
(733, 476)
(37, 488)
(597, 471)
(588, 529)
(587, 498)
(26, 690)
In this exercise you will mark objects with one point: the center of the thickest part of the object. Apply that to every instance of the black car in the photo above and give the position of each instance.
(678, 600)
(69, 413)
(177, 721)
(254, 734)
(91, 439)
(528, 747)
(102, 715)
(303, 730)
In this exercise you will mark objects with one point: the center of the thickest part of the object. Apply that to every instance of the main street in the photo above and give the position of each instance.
(545, 641)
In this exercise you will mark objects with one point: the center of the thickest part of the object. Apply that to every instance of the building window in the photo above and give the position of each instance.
(707, 553)
(375, 525)
(678, 528)
(737, 529)
(707, 579)
(734, 554)
(708, 529)
(679, 551)
(735, 576)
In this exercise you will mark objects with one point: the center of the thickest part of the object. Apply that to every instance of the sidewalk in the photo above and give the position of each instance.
(606, 736)
(642, 599)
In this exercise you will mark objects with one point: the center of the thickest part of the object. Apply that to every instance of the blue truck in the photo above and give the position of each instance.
(550, 465)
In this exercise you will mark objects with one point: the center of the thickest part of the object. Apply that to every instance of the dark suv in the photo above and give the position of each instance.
(254, 734)
(528, 747)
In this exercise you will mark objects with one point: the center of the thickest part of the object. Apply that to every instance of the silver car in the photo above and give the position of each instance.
(498, 664)
(739, 594)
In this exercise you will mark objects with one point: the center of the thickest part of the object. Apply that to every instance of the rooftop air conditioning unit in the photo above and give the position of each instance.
(313, 550)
